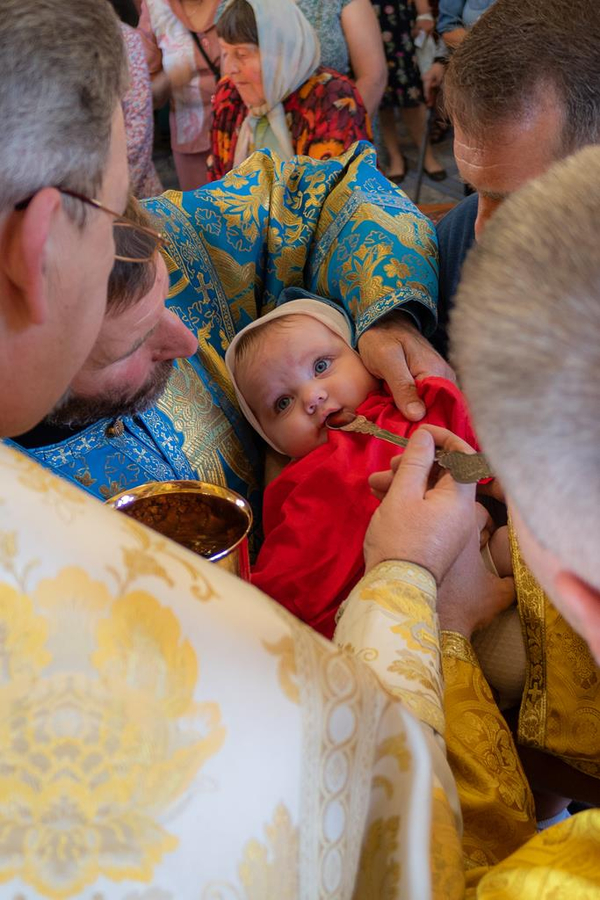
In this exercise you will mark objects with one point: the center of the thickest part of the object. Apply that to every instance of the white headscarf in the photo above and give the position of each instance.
(320, 310)
(289, 54)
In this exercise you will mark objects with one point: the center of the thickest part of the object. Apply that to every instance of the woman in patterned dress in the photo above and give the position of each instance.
(137, 107)
(350, 40)
(275, 94)
(183, 55)
(399, 23)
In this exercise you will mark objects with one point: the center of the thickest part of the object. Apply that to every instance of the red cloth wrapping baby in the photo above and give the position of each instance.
(317, 511)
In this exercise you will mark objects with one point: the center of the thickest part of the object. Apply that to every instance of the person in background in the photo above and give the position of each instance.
(521, 92)
(137, 107)
(456, 17)
(399, 25)
(275, 94)
(182, 51)
(351, 44)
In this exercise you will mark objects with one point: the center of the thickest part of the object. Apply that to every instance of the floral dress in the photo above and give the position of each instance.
(139, 122)
(397, 19)
(325, 16)
(325, 116)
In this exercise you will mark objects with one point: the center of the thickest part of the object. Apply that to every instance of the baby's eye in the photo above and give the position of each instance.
(322, 365)
(282, 403)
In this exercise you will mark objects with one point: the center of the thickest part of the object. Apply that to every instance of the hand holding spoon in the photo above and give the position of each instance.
(466, 468)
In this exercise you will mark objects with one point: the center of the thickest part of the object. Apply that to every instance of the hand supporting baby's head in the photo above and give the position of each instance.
(294, 367)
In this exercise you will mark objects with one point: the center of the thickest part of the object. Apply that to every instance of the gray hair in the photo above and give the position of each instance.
(63, 70)
(526, 342)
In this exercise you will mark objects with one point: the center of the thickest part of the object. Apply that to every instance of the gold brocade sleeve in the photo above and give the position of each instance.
(390, 621)
(562, 684)
(496, 802)
(561, 862)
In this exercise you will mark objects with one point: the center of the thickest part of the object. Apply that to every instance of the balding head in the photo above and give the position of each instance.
(526, 343)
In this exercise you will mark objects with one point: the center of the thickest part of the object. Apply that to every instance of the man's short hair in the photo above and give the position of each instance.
(129, 282)
(526, 343)
(516, 53)
(63, 70)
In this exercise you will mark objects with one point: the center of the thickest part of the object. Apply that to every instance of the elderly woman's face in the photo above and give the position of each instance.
(241, 63)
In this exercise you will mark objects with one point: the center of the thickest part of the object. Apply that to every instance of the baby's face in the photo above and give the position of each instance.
(297, 375)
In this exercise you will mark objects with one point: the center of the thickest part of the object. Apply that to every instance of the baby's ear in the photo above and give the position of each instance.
(581, 602)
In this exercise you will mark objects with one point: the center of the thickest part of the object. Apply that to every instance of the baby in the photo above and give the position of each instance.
(291, 370)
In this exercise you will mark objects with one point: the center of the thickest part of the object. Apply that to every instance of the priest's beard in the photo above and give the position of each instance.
(73, 411)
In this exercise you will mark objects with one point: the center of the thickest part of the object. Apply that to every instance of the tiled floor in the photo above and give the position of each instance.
(449, 191)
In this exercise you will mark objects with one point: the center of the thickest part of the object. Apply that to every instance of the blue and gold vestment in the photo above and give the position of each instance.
(336, 227)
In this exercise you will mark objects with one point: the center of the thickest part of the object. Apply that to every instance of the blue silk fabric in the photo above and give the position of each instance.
(337, 228)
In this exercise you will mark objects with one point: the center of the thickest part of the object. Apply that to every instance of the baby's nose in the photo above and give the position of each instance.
(315, 396)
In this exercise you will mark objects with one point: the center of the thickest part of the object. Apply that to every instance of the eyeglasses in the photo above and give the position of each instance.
(120, 221)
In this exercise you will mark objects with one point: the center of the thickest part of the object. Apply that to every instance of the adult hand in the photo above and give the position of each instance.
(419, 523)
(453, 39)
(432, 81)
(424, 20)
(395, 351)
(425, 25)
(492, 489)
(470, 596)
(181, 74)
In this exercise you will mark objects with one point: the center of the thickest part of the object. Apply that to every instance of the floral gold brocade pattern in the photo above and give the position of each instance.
(448, 880)
(560, 863)
(94, 752)
(560, 710)
(264, 863)
(457, 646)
(268, 225)
(208, 437)
(406, 661)
(141, 692)
(396, 603)
(379, 873)
(496, 802)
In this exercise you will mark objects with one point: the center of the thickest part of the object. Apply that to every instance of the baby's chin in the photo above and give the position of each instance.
(298, 450)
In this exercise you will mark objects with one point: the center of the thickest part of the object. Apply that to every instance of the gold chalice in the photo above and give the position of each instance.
(208, 519)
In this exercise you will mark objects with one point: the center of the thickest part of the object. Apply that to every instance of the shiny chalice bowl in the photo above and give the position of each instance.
(210, 520)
